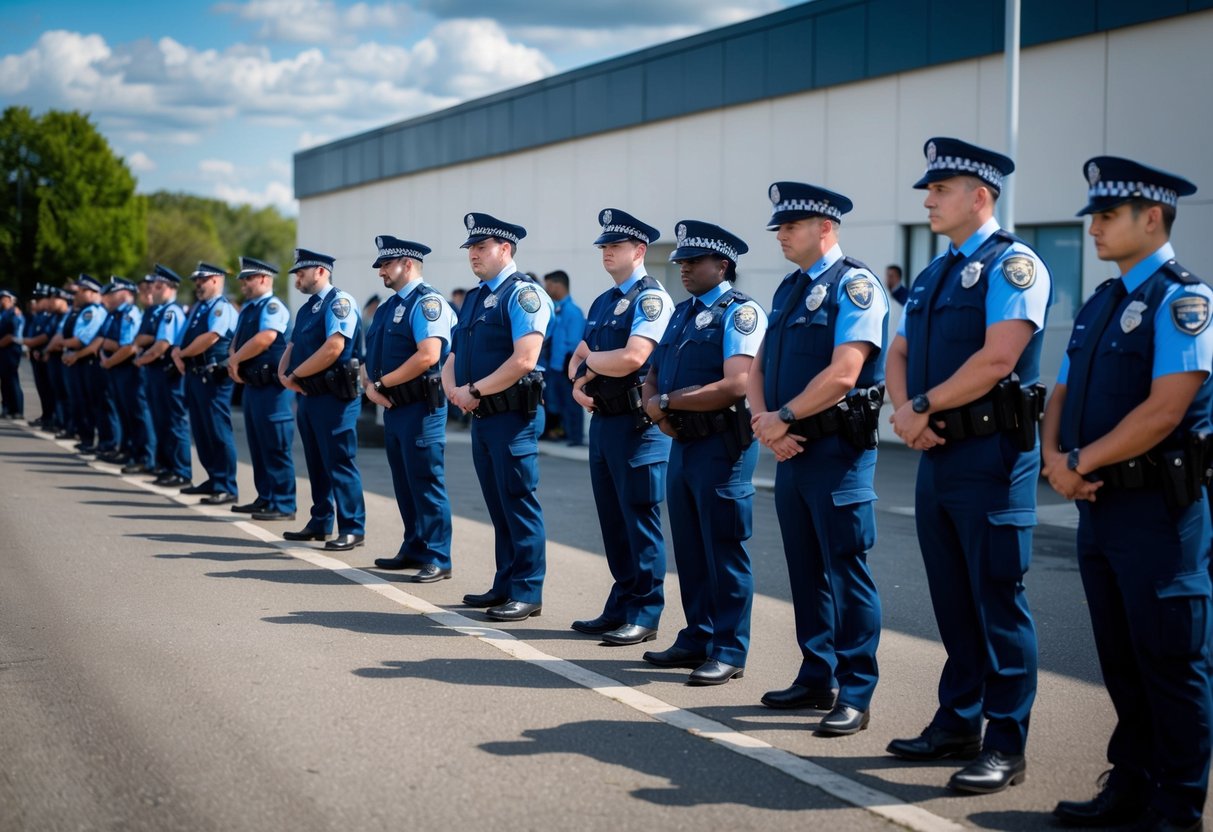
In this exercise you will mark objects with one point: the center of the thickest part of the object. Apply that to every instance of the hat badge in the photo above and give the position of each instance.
(379, 242)
(1092, 173)
(775, 194)
(469, 221)
(931, 152)
(606, 217)
(681, 232)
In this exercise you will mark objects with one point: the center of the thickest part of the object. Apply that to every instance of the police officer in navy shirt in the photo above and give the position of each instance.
(200, 355)
(35, 339)
(73, 427)
(405, 346)
(628, 454)
(1123, 436)
(491, 374)
(695, 391)
(962, 375)
(59, 300)
(816, 390)
(144, 338)
(321, 363)
(98, 433)
(122, 376)
(12, 323)
(269, 418)
(165, 384)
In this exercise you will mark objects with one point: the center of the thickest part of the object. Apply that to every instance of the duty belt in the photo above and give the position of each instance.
(523, 396)
(1009, 407)
(1179, 470)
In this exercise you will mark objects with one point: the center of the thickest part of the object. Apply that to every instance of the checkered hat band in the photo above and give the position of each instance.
(810, 205)
(499, 233)
(1131, 190)
(981, 170)
(307, 264)
(708, 243)
(626, 229)
(393, 253)
(207, 273)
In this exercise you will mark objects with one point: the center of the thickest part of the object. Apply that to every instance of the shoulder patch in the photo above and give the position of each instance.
(431, 308)
(1020, 271)
(341, 308)
(272, 307)
(650, 307)
(528, 299)
(86, 315)
(169, 316)
(745, 319)
(1190, 313)
(215, 313)
(860, 291)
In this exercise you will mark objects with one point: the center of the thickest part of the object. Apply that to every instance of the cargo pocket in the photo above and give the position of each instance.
(1009, 542)
(733, 512)
(852, 522)
(1183, 615)
(523, 474)
(646, 478)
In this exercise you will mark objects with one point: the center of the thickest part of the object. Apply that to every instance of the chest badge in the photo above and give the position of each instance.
(817, 296)
(490, 302)
(1131, 318)
(970, 274)
(622, 306)
(316, 306)
(398, 315)
(703, 319)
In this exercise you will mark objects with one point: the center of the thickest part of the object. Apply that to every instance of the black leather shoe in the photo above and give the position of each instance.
(273, 515)
(219, 498)
(675, 657)
(844, 720)
(398, 562)
(713, 672)
(428, 574)
(65, 434)
(1155, 822)
(250, 508)
(345, 542)
(171, 481)
(306, 533)
(1111, 807)
(135, 468)
(201, 488)
(991, 772)
(798, 696)
(630, 634)
(86, 450)
(113, 457)
(935, 743)
(596, 626)
(484, 599)
(514, 611)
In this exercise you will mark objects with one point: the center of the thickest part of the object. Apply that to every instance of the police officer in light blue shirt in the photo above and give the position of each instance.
(491, 374)
(695, 391)
(269, 416)
(37, 335)
(963, 375)
(1124, 436)
(59, 300)
(12, 324)
(200, 355)
(406, 343)
(67, 380)
(122, 376)
(97, 421)
(321, 363)
(816, 390)
(165, 384)
(628, 454)
(568, 326)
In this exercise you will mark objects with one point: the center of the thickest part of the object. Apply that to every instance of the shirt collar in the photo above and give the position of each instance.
(828, 259)
(495, 284)
(712, 295)
(407, 289)
(636, 277)
(979, 236)
(1142, 271)
(323, 293)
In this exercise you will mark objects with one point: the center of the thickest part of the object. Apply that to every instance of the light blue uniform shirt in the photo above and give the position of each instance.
(522, 322)
(567, 331)
(132, 319)
(220, 318)
(342, 315)
(734, 341)
(641, 324)
(853, 323)
(172, 323)
(1175, 350)
(422, 326)
(88, 325)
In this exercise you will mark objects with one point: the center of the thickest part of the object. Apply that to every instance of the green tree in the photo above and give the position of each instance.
(68, 203)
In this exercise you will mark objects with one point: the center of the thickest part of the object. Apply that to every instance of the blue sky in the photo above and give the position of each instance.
(214, 98)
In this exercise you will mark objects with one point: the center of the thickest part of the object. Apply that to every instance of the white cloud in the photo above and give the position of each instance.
(217, 168)
(318, 21)
(278, 194)
(140, 162)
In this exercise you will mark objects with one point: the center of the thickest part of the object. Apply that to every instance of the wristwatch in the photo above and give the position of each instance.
(663, 403)
(378, 385)
(1072, 460)
(920, 403)
(786, 415)
(472, 389)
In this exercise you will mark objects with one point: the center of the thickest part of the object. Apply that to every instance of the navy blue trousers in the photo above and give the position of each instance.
(12, 397)
(505, 451)
(975, 507)
(710, 496)
(210, 408)
(269, 424)
(101, 407)
(58, 376)
(327, 427)
(126, 393)
(628, 472)
(415, 442)
(46, 390)
(824, 500)
(170, 422)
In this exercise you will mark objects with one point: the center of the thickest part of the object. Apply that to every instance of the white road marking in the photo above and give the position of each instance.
(837, 785)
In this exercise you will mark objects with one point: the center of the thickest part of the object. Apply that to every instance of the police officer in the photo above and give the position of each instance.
(568, 326)
(628, 454)
(122, 377)
(816, 390)
(321, 363)
(200, 355)
(165, 385)
(12, 323)
(36, 337)
(58, 306)
(962, 374)
(491, 374)
(269, 419)
(1123, 437)
(63, 376)
(405, 346)
(696, 392)
(99, 422)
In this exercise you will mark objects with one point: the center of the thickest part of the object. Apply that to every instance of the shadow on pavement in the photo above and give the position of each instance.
(201, 539)
(373, 623)
(226, 557)
(314, 577)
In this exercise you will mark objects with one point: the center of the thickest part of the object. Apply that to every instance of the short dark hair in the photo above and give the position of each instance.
(894, 267)
(558, 276)
(730, 270)
(1168, 212)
